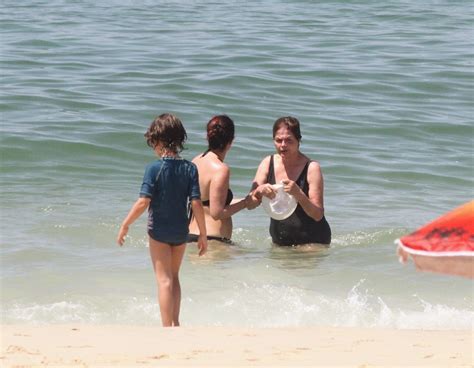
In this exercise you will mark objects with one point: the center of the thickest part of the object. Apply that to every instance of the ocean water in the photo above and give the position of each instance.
(384, 94)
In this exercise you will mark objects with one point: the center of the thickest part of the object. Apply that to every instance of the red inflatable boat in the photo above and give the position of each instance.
(445, 245)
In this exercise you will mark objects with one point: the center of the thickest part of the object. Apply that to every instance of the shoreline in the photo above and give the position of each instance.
(123, 345)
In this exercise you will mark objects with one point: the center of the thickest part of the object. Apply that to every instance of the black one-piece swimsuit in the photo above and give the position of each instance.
(299, 228)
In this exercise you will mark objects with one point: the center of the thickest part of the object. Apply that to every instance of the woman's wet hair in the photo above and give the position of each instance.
(168, 130)
(291, 123)
(220, 132)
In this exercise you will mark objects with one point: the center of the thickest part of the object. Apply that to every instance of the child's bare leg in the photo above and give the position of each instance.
(166, 262)
(177, 253)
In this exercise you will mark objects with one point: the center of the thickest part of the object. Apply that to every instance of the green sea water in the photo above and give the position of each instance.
(384, 94)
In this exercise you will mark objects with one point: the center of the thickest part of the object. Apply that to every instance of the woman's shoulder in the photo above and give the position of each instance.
(197, 157)
(210, 164)
(314, 170)
(263, 167)
(219, 170)
(312, 164)
(266, 160)
(304, 159)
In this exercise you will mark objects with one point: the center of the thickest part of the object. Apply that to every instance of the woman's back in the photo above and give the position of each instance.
(214, 184)
(214, 177)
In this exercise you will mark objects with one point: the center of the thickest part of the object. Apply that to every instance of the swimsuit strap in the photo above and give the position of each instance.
(228, 200)
(302, 180)
(271, 173)
(230, 195)
(206, 152)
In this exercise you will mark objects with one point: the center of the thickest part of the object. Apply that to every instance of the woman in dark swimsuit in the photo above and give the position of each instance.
(214, 177)
(301, 178)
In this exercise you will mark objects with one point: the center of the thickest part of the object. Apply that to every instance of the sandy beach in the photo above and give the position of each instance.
(94, 346)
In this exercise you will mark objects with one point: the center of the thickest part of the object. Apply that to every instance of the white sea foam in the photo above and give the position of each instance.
(248, 305)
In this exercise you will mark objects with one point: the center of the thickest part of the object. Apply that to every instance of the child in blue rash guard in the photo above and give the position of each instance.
(168, 184)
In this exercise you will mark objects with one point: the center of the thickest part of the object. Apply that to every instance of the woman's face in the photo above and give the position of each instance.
(285, 142)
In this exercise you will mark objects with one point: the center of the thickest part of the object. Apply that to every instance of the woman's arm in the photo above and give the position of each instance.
(312, 204)
(198, 212)
(260, 187)
(218, 195)
(135, 212)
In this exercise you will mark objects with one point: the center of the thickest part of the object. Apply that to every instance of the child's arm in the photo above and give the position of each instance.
(135, 212)
(198, 212)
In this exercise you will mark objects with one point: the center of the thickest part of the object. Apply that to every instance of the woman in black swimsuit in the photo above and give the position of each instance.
(214, 177)
(301, 178)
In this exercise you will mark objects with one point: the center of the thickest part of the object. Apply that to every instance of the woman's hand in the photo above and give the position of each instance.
(252, 201)
(265, 190)
(290, 187)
